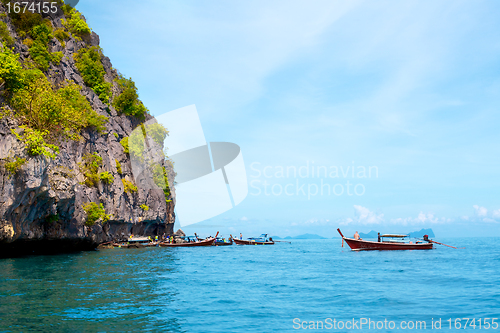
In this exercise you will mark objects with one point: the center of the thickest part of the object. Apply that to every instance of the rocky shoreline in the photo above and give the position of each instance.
(114, 232)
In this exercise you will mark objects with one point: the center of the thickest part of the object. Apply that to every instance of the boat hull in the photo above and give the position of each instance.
(134, 245)
(222, 243)
(362, 245)
(250, 242)
(205, 242)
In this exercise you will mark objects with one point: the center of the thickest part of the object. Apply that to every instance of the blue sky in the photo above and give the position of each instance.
(410, 87)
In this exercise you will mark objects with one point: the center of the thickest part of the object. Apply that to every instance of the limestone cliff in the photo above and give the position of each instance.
(42, 199)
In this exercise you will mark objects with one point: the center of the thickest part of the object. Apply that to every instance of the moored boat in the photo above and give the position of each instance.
(396, 242)
(262, 240)
(205, 242)
(219, 241)
(136, 242)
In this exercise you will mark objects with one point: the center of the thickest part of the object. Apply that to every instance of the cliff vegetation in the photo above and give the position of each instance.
(67, 134)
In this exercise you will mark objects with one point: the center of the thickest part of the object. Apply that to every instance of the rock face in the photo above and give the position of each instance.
(44, 188)
(178, 236)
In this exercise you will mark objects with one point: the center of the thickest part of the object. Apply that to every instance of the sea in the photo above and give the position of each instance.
(305, 285)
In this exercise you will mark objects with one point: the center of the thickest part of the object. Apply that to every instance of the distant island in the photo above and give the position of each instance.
(413, 234)
(370, 235)
(421, 233)
(304, 236)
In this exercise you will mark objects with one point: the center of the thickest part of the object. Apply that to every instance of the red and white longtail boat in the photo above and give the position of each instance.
(398, 244)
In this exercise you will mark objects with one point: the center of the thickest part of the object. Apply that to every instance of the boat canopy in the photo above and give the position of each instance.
(394, 236)
(138, 239)
(261, 238)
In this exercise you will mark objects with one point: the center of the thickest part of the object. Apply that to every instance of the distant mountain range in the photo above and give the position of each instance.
(421, 233)
(304, 236)
(371, 234)
(416, 234)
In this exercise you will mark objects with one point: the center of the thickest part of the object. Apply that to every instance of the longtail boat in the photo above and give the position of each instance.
(195, 241)
(262, 240)
(136, 242)
(205, 242)
(395, 243)
(219, 241)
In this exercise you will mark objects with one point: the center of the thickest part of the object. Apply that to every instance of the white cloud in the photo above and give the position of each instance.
(346, 221)
(483, 215)
(363, 216)
(422, 218)
(429, 217)
(313, 222)
(480, 211)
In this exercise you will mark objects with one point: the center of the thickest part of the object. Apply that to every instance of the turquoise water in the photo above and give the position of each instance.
(248, 288)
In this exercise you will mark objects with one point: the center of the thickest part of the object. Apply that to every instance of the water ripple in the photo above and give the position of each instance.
(245, 288)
